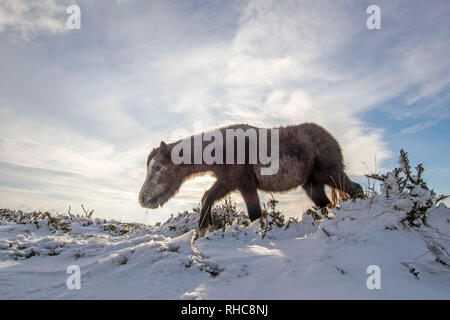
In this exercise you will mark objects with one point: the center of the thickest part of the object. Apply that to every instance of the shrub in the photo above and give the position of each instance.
(271, 217)
(225, 214)
(408, 191)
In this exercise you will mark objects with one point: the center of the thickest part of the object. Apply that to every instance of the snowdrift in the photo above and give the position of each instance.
(301, 260)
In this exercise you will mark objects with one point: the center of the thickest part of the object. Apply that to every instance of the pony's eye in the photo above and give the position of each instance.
(157, 168)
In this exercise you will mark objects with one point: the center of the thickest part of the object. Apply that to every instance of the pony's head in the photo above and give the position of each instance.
(163, 179)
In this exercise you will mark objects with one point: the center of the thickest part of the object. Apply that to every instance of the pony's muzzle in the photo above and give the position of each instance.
(145, 202)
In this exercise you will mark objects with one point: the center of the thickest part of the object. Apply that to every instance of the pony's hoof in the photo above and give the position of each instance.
(201, 232)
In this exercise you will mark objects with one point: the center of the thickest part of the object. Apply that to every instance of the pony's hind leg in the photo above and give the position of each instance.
(316, 193)
(343, 183)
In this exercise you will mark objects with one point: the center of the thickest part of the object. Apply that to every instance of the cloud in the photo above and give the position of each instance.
(30, 18)
(51, 167)
(420, 126)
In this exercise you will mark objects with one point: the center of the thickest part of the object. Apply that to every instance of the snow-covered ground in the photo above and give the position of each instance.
(310, 259)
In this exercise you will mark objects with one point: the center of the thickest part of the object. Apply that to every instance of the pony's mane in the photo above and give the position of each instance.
(152, 155)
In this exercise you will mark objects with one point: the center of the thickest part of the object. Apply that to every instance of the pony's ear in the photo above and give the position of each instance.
(163, 149)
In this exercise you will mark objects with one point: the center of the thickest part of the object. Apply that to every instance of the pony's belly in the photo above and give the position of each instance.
(290, 175)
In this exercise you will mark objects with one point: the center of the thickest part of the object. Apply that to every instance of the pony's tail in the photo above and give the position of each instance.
(336, 195)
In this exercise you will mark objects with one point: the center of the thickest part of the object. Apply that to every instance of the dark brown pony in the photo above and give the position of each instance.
(309, 156)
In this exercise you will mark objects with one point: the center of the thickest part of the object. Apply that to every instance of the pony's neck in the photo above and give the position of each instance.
(191, 169)
(194, 169)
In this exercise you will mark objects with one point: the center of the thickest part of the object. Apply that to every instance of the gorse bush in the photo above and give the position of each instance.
(225, 214)
(406, 189)
(271, 217)
(64, 222)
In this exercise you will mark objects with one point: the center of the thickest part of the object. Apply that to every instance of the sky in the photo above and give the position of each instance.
(80, 109)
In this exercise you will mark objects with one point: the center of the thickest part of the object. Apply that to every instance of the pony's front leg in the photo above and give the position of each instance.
(217, 192)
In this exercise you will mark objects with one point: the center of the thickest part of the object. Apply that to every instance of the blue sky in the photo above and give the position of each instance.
(81, 109)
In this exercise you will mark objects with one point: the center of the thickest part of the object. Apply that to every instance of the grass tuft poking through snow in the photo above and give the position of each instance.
(401, 228)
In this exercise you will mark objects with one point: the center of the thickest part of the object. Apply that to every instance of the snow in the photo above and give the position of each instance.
(309, 259)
